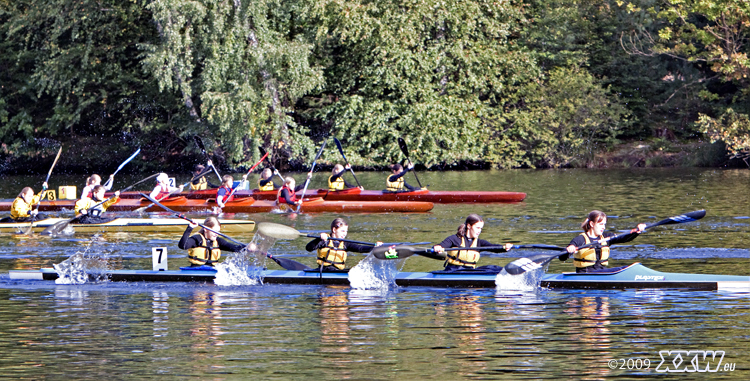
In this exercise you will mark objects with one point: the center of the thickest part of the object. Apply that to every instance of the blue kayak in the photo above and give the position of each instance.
(633, 276)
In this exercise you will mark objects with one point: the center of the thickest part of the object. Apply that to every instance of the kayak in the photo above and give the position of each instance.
(129, 225)
(635, 276)
(247, 205)
(356, 194)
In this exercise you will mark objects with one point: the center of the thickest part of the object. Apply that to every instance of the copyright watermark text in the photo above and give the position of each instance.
(677, 361)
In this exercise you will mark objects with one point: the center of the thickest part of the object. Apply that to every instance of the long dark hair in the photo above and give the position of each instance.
(470, 220)
(595, 216)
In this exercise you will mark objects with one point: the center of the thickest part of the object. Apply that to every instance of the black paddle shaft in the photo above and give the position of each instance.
(405, 151)
(341, 151)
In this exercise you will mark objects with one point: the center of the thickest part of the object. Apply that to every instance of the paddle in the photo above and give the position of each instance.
(522, 265)
(127, 161)
(280, 231)
(248, 174)
(60, 226)
(341, 151)
(198, 176)
(287, 264)
(44, 188)
(405, 251)
(199, 142)
(307, 181)
(405, 150)
(272, 167)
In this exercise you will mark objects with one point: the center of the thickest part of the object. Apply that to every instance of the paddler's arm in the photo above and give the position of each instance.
(507, 246)
(187, 242)
(358, 248)
(317, 243)
(229, 246)
(633, 233)
(112, 201)
(108, 185)
(286, 197)
(451, 241)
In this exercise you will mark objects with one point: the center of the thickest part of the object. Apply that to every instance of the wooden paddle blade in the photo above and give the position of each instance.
(531, 263)
(289, 264)
(278, 231)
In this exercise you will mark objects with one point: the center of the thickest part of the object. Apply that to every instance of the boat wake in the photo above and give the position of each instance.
(528, 281)
(246, 267)
(372, 273)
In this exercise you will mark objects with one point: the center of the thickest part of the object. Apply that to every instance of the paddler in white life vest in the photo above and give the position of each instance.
(467, 236)
(331, 253)
(287, 196)
(201, 183)
(265, 182)
(95, 180)
(22, 209)
(395, 181)
(94, 215)
(204, 248)
(224, 191)
(596, 258)
(336, 181)
(163, 189)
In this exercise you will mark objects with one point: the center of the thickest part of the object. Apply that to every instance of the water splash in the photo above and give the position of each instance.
(81, 267)
(246, 267)
(372, 273)
(528, 281)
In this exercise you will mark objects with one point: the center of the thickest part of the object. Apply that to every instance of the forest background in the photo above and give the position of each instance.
(467, 83)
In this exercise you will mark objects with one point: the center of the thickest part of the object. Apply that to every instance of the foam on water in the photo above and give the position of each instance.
(81, 267)
(372, 273)
(528, 281)
(246, 267)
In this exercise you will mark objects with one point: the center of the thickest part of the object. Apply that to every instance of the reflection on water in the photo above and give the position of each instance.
(181, 331)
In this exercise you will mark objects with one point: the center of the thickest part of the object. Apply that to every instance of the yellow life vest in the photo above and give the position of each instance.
(202, 184)
(267, 187)
(330, 255)
(394, 186)
(336, 185)
(468, 258)
(589, 256)
(198, 255)
(86, 203)
(20, 209)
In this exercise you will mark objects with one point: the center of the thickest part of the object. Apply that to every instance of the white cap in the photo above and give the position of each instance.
(162, 178)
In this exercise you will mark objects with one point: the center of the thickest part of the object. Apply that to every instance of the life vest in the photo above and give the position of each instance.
(201, 185)
(592, 255)
(280, 202)
(331, 255)
(225, 198)
(199, 255)
(87, 191)
(163, 191)
(267, 187)
(21, 209)
(336, 185)
(94, 210)
(467, 258)
(395, 186)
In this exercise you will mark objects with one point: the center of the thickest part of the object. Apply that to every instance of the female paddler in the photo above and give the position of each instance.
(93, 181)
(595, 259)
(201, 182)
(162, 189)
(467, 236)
(91, 208)
(287, 196)
(22, 208)
(265, 181)
(336, 181)
(225, 190)
(204, 248)
(395, 181)
(332, 253)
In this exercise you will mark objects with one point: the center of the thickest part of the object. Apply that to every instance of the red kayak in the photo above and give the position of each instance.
(247, 205)
(356, 194)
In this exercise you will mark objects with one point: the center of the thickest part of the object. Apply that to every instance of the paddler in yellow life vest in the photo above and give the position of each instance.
(89, 209)
(336, 181)
(22, 208)
(265, 182)
(204, 248)
(596, 258)
(201, 183)
(332, 253)
(467, 236)
(395, 181)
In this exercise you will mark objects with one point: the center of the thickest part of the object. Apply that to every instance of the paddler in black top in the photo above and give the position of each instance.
(595, 259)
(332, 253)
(265, 182)
(287, 196)
(467, 236)
(201, 183)
(336, 181)
(395, 182)
(204, 248)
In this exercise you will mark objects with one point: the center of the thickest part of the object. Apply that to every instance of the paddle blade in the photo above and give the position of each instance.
(289, 264)
(531, 263)
(404, 148)
(278, 231)
(687, 217)
(397, 252)
(56, 229)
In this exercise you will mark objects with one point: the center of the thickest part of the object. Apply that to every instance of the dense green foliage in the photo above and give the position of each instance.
(473, 82)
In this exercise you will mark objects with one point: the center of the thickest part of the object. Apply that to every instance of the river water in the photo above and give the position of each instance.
(181, 331)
